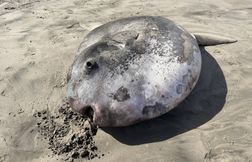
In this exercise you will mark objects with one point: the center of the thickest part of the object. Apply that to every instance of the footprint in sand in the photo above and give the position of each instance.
(9, 69)
(30, 51)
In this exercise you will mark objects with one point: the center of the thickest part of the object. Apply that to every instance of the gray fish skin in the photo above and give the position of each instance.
(133, 69)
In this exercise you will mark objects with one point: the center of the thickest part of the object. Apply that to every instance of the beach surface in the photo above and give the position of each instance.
(38, 42)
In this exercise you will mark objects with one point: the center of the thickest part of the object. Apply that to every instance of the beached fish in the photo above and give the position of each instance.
(134, 69)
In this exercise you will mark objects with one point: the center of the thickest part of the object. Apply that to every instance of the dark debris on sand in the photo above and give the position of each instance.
(69, 133)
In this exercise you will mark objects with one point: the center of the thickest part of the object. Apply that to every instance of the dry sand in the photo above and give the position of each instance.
(38, 40)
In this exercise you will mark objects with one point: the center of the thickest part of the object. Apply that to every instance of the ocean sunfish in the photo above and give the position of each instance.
(134, 69)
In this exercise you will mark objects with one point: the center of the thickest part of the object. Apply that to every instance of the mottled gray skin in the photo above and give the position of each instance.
(133, 69)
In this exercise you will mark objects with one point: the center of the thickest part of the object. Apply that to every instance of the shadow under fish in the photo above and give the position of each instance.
(205, 101)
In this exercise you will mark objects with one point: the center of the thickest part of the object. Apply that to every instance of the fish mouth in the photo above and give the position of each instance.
(87, 111)
(102, 115)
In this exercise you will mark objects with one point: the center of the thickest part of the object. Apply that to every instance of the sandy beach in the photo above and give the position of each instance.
(38, 42)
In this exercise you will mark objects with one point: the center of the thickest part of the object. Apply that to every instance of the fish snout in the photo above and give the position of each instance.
(100, 114)
(82, 108)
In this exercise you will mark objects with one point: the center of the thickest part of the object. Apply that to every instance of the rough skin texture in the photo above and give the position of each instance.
(133, 69)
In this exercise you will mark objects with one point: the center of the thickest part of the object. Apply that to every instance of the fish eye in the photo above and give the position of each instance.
(91, 65)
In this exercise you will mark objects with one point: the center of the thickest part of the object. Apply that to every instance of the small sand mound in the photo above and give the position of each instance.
(69, 134)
